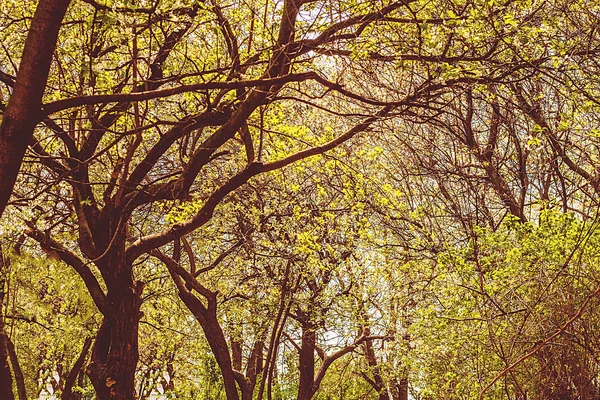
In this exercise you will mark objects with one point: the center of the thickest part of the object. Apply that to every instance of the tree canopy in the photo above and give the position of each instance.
(299, 199)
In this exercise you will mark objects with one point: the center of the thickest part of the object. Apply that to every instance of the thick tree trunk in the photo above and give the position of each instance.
(115, 352)
(23, 109)
(307, 362)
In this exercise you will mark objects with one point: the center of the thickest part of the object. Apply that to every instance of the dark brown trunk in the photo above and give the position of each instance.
(400, 389)
(377, 381)
(307, 362)
(16, 367)
(236, 354)
(207, 317)
(247, 394)
(5, 377)
(216, 340)
(115, 351)
(67, 393)
(23, 109)
(253, 368)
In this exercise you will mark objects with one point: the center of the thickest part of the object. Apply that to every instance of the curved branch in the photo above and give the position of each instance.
(64, 104)
(71, 259)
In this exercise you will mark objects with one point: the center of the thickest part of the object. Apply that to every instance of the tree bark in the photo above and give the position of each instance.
(253, 368)
(115, 352)
(307, 362)
(5, 377)
(216, 340)
(24, 106)
(207, 317)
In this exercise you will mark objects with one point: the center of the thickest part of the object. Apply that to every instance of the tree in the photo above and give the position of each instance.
(104, 219)
(158, 118)
(19, 116)
(23, 110)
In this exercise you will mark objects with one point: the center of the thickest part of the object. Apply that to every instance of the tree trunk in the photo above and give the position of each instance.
(207, 317)
(236, 354)
(400, 389)
(253, 368)
(377, 381)
(5, 377)
(115, 352)
(67, 393)
(216, 340)
(16, 367)
(23, 109)
(307, 362)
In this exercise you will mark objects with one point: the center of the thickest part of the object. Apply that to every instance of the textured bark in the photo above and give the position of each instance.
(23, 109)
(115, 352)
(307, 362)
(5, 377)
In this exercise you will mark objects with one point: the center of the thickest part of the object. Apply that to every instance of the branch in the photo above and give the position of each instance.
(359, 20)
(23, 108)
(147, 243)
(70, 381)
(220, 258)
(60, 105)
(72, 260)
(534, 112)
(16, 367)
(539, 346)
(189, 279)
(333, 357)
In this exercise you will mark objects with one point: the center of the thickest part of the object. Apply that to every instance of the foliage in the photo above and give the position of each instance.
(302, 199)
